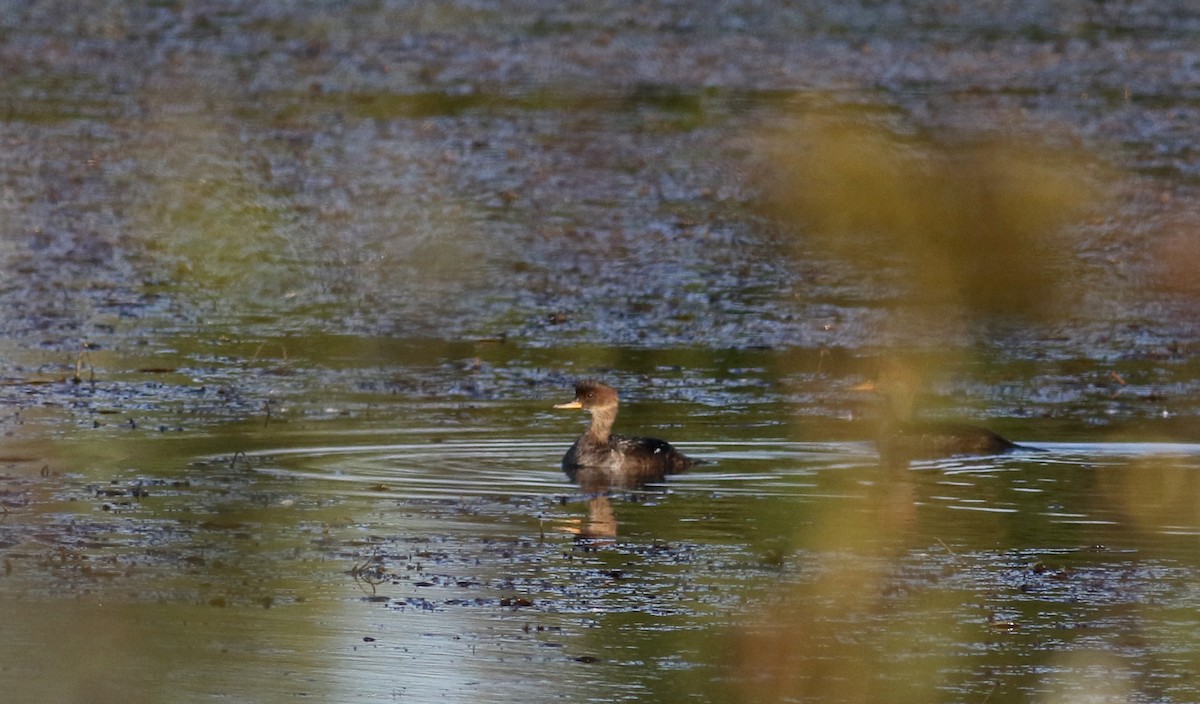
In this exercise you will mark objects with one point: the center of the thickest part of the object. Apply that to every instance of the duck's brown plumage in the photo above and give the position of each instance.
(903, 437)
(600, 457)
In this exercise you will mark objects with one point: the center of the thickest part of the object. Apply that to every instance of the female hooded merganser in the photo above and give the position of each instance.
(901, 437)
(617, 460)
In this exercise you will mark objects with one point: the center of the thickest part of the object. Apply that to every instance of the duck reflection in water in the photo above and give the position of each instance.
(600, 461)
(902, 438)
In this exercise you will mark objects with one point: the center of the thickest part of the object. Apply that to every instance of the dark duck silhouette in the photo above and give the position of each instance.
(600, 459)
(902, 437)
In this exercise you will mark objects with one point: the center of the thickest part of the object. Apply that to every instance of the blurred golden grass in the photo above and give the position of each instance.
(969, 226)
(1177, 256)
(1156, 491)
(825, 639)
(980, 222)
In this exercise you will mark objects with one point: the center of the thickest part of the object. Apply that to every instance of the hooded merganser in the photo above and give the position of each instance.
(618, 460)
(902, 437)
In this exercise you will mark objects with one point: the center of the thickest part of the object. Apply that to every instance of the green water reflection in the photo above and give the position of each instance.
(784, 569)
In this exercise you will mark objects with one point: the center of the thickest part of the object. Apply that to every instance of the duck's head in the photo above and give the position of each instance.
(898, 384)
(591, 396)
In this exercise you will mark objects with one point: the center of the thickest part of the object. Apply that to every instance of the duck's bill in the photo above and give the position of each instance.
(571, 404)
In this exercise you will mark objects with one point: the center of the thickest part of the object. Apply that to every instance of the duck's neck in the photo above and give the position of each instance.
(898, 407)
(600, 429)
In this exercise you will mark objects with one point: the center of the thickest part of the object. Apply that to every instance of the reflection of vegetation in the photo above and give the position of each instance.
(370, 572)
(661, 106)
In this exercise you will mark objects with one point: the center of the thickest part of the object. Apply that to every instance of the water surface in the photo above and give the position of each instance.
(434, 563)
(287, 294)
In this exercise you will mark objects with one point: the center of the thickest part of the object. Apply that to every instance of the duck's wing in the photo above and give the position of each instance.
(651, 456)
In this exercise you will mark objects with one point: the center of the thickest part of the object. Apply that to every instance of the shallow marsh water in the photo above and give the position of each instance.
(364, 563)
(288, 293)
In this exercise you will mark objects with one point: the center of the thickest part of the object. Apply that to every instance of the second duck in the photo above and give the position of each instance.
(902, 437)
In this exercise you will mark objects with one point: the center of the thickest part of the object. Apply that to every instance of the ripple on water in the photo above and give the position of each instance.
(1035, 487)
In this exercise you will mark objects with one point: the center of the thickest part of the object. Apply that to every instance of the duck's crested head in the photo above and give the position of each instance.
(892, 377)
(898, 383)
(591, 394)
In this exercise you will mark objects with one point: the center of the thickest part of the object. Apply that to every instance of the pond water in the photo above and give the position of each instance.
(288, 292)
(364, 563)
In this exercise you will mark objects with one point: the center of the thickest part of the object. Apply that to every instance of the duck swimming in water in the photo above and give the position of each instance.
(901, 437)
(598, 456)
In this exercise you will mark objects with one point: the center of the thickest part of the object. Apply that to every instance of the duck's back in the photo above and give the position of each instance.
(651, 455)
(934, 440)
